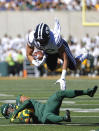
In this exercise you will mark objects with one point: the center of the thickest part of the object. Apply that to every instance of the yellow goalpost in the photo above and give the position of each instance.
(84, 22)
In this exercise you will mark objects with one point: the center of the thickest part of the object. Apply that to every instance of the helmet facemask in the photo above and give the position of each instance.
(7, 109)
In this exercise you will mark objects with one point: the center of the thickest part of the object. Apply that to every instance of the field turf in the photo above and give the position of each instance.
(84, 110)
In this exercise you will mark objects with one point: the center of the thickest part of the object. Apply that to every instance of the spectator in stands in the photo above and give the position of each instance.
(18, 42)
(97, 39)
(47, 4)
(19, 63)
(5, 42)
(97, 5)
(87, 40)
(11, 65)
(1, 50)
(36, 4)
(91, 4)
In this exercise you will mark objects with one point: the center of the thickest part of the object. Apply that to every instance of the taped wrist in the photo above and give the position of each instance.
(63, 75)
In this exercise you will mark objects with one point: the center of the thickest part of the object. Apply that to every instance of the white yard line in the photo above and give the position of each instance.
(71, 116)
(8, 101)
(5, 95)
(80, 110)
(67, 124)
(64, 102)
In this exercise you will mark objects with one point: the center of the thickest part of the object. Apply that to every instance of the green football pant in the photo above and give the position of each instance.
(54, 102)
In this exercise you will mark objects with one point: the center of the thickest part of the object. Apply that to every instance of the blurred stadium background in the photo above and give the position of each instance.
(19, 17)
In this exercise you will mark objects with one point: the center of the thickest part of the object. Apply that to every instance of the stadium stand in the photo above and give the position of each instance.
(47, 5)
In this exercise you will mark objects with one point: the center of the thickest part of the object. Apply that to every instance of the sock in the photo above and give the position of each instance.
(78, 92)
(81, 92)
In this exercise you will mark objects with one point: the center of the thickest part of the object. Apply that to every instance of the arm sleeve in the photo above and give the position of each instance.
(24, 105)
(57, 30)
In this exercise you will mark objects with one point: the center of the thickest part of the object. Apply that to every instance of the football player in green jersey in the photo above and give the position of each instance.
(48, 112)
(25, 116)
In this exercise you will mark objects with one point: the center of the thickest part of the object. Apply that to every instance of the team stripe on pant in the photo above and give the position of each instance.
(72, 59)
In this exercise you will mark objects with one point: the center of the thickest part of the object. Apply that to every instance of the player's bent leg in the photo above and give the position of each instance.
(71, 60)
(52, 118)
(54, 102)
(74, 93)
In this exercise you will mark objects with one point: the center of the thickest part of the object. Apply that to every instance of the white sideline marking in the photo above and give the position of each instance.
(67, 102)
(84, 116)
(5, 95)
(1, 117)
(13, 101)
(8, 101)
(64, 102)
(87, 104)
(71, 116)
(72, 124)
(80, 110)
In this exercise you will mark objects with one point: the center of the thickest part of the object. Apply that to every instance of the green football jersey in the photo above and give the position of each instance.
(38, 110)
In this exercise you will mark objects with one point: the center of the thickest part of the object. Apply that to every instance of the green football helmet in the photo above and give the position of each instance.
(4, 109)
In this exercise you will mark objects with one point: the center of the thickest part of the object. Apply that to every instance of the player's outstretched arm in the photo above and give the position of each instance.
(29, 52)
(24, 105)
(62, 79)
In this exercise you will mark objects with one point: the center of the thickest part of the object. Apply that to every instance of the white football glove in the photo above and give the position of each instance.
(35, 62)
(43, 60)
(39, 62)
(62, 83)
(62, 80)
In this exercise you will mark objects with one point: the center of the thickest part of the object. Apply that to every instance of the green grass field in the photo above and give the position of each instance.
(84, 110)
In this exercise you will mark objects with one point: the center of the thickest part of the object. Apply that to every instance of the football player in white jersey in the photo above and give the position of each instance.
(54, 47)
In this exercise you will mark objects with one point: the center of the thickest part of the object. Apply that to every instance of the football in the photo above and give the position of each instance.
(38, 55)
(25, 115)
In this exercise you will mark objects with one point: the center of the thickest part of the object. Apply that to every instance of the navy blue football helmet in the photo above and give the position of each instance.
(42, 34)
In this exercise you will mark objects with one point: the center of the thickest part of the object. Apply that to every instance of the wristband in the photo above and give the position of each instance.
(63, 75)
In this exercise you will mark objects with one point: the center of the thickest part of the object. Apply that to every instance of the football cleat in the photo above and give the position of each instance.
(92, 91)
(68, 116)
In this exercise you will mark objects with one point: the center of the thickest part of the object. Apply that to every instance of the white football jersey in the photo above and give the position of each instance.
(53, 44)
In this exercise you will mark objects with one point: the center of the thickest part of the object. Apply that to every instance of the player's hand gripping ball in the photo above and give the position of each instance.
(38, 55)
